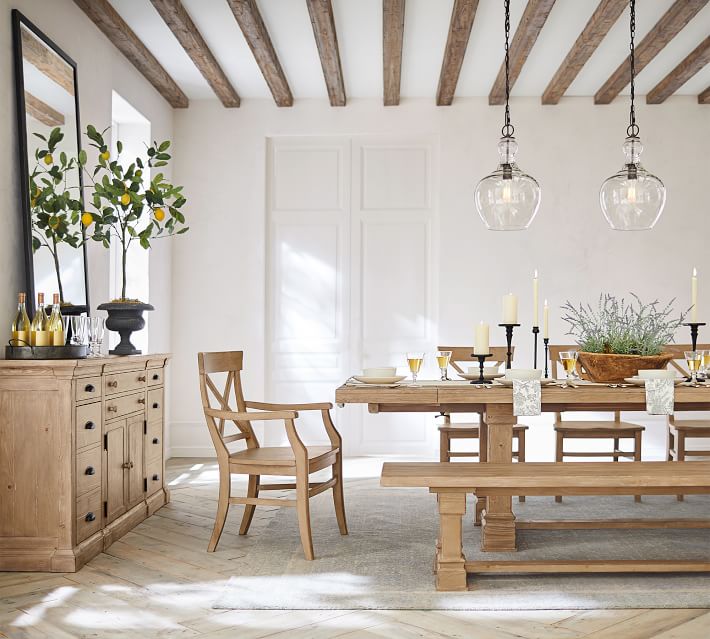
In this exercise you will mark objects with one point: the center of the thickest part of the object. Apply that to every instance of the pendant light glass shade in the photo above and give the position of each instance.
(632, 199)
(507, 199)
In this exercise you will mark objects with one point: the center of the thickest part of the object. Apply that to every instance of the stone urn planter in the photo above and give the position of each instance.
(125, 318)
(613, 368)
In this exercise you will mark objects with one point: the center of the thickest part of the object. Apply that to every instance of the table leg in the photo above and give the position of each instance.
(450, 561)
(497, 520)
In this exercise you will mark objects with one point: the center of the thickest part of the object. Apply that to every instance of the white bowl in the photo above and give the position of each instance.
(382, 371)
(523, 373)
(658, 373)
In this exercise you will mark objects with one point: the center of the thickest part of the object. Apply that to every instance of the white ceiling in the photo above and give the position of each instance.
(359, 29)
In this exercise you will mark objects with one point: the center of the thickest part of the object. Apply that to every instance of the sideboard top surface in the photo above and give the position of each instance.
(80, 367)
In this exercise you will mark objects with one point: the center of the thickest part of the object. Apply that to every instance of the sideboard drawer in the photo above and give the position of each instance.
(88, 425)
(119, 406)
(88, 515)
(88, 470)
(124, 382)
(88, 388)
(155, 376)
(154, 440)
(155, 405)
(154, 474)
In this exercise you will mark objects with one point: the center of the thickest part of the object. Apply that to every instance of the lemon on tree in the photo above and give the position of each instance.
(87, 218)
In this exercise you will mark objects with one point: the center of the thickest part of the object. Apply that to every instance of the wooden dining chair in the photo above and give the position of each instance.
(296, 460)
(449, 430)
(679, 431)
(615, 429)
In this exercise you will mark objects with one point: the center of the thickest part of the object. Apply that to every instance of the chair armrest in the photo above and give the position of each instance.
(295, 407)
(250, 417)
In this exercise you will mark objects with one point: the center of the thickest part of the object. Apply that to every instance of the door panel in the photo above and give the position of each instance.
(115, 455)
(135, 471)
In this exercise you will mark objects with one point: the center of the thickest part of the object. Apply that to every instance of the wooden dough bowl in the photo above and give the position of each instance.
(613, 368)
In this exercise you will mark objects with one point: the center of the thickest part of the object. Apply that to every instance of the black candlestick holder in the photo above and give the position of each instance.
(535, 330)
(546, 342)
(481, 359)
(694, 331)
(509, 340)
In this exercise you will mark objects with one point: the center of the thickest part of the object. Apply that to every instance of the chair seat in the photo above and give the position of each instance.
(691, 425)
(607, 426)
(279, 455)
(473, 427)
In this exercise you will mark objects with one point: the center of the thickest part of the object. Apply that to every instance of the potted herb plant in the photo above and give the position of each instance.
(130, 203)
(55, 207)
(617, 338)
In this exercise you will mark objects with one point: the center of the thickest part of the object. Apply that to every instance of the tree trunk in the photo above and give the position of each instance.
(123, 272)
(57, 270)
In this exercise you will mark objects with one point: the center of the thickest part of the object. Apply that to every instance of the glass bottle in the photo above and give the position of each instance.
(21, 325)
(39, 330)
(56, 324)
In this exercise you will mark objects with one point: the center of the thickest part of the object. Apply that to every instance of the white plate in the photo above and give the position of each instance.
(509, 382)
(640, 381)
(379, 380)
(486, 375)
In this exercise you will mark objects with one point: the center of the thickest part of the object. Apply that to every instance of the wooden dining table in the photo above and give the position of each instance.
(495, 402)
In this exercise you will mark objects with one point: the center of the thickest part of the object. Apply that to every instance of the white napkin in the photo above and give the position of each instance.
(660, 396)
(527, 394)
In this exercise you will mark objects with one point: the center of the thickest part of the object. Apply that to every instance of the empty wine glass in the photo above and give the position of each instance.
(96, 335)
(78, 330)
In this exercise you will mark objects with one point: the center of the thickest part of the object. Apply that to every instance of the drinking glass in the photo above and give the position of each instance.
(78, 330)
(96, 335)
(704, 365)
(693, 359)
(415, 363)
(569, 363)
(442, 359)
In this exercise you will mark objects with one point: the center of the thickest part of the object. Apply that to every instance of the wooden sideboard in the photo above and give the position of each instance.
(81, 456)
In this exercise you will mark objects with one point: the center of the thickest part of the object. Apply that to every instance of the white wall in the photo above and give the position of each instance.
(101, 69)
(219, 267)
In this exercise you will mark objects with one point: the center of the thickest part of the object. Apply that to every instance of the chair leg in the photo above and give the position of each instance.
(670, 445)
(338, 499)
(304, 517)
(616, 449)
(444, 444)
(559, 444)
(637, 456)
(521, 457)
(225, 487)
(252, 491)
(680, 453)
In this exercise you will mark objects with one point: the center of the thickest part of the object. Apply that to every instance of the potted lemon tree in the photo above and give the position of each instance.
(131, 202)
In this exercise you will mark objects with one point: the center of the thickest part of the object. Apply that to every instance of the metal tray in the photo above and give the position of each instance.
(46, 352)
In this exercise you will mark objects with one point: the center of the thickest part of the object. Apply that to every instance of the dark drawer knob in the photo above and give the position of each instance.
(90, 470)
(156, 377)
(90, 517)
(89, 426)
(156, 477)
(156, 440)
(156, 405)
(89, 388)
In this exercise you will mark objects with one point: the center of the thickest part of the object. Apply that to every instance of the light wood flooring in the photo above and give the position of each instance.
(158, 581)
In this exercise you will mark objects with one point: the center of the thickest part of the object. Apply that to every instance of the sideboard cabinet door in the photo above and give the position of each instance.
(115, 457)
(134, 460)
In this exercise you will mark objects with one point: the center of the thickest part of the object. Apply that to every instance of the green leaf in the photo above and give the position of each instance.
(164, 146)
(119, 146)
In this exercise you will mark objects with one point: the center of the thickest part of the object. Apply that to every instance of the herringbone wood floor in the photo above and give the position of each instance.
(158, 581)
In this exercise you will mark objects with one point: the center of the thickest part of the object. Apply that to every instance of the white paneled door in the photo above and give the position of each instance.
(351, 280)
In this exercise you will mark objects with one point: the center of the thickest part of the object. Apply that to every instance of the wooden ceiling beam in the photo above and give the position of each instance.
(694, 61)
(114, 27)
(533, 20)
(392, 39)
(603, 18)
(47, 61)
(323, 21)
(178, 20)
(252, 25)
(42, 112)
(704, 97)
(671, 23)
(462, 16)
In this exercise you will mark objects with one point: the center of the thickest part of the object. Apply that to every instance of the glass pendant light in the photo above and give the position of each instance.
(632, 199)
(507, 199)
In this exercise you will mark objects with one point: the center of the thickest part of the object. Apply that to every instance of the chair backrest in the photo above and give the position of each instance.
(678, 351)
(229, 363)
(461, 354)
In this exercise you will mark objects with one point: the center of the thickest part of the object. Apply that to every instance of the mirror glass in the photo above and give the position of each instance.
(48, 116)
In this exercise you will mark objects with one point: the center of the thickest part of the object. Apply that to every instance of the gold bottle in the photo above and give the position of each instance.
(39, 330)
(21, 326)
(56, 325)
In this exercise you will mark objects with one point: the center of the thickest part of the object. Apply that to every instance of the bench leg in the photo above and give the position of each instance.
(559, 455)
(637, 456)
(680, 453)
(521, 456)
(450, 561)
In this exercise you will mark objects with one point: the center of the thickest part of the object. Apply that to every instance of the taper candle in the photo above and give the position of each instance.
(481, 339)
(536, 310)
(694, 296)
(510, 309)
(546, 321)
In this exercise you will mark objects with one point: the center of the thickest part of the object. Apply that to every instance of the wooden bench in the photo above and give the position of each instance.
(451, 483)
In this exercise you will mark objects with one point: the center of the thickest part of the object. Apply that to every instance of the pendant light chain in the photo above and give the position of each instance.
(508, 129)
(632, 130)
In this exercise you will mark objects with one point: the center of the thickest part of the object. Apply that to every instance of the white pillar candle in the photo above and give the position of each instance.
(694, 296)
(480, 342)
(510, 309)
(536, 310)
(546, 320)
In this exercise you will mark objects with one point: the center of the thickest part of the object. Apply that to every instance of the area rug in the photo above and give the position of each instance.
(386, 560)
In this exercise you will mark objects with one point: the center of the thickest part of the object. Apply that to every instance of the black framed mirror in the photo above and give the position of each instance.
(51, 185)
